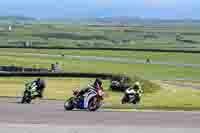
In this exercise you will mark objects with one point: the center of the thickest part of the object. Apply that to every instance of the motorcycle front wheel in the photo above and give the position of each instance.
(68, 105)
(93, 104)
(124, 99)
(25, 99)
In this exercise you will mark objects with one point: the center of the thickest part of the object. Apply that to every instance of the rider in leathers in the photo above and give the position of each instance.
(136, 90)
(97, 85)
(40, 85)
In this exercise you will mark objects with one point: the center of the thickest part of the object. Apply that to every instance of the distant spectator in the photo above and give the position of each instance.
(10, 28)
(55, 67)
(148, 60)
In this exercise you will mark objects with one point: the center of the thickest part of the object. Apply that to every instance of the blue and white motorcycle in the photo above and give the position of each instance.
(91, 100)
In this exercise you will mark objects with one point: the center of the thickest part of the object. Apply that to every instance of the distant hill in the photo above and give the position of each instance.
(137, 20)
(16, 18)
(115, 20)
(119, 20)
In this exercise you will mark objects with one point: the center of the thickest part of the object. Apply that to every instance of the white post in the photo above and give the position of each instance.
(10, 28)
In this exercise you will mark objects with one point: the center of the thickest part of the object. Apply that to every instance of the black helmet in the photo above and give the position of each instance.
(98, 81)
(38, 79)
(137, 85)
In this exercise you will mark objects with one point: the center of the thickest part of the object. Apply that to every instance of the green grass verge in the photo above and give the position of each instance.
(147, 71)
(189, 58)
(168, 98)
(109, 36)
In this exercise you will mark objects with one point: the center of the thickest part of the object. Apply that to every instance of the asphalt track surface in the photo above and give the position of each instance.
(108, 59)
(49, 116)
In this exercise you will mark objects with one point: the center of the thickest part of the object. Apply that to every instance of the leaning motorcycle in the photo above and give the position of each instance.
(92, 100)
(29, 93)
(131, 96)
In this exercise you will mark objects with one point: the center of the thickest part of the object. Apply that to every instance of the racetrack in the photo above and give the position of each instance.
(107, 59)
(50, 115)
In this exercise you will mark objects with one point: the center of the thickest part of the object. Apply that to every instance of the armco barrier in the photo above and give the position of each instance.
(56, 74)
(21, 69)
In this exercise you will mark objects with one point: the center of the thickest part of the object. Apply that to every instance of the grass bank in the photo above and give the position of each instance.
(189, 58)
(168, 98)
(147, 71)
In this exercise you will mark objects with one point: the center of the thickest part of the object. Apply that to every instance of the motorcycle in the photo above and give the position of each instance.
(92, 100)
(30, 93)
(131, 96)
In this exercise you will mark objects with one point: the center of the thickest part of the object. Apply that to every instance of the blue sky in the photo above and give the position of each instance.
(100, 8)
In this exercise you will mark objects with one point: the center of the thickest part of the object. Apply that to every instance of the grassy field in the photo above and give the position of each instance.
(146, 36)
(187, 58)
(170, 97)
(68, 35)
(146, 71)
(57, 88)
(187, 82)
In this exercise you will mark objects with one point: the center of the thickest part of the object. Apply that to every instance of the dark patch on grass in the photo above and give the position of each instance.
(72, 36)
(147, 86)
